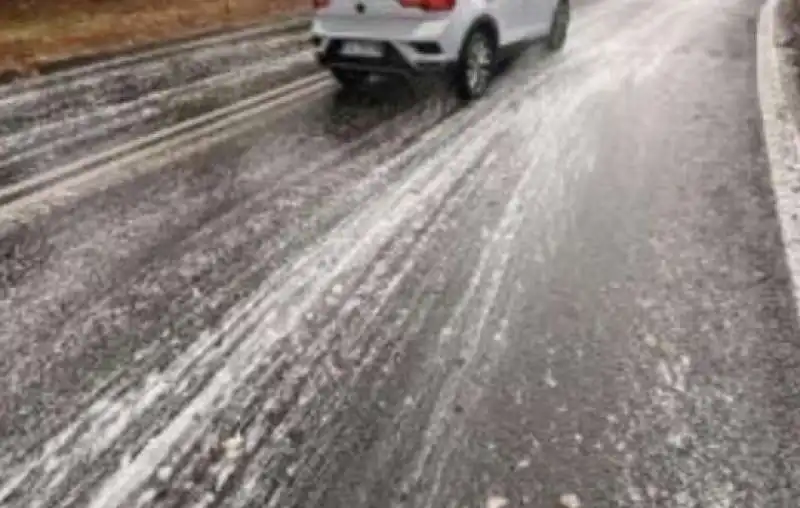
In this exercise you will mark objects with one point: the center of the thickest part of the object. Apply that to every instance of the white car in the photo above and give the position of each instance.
(467, 38)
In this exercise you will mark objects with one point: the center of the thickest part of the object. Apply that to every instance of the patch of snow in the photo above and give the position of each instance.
(163, 474)
(497, 502)
(233, 446)
(569, 501)
(549, 380)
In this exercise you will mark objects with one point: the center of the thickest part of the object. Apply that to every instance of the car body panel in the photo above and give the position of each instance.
(402, 28)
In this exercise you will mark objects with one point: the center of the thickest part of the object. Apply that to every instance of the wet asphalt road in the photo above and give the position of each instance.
(575, 286)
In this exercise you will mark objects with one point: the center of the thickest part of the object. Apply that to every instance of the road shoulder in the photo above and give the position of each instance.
(46, 37)
(779, 96)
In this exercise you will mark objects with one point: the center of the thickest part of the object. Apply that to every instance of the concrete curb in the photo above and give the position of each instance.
(779, 96)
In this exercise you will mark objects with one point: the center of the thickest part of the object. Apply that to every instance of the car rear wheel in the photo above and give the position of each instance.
(559, 26)
(476, 65)
(349, 78)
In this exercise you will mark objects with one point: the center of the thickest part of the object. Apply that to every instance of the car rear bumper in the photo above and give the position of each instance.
(393, 60)
(410, 46)
(389, 29)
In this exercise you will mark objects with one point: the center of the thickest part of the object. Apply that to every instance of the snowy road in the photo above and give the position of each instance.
(573, 289)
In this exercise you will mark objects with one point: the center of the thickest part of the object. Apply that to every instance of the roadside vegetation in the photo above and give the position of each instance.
(36, 33)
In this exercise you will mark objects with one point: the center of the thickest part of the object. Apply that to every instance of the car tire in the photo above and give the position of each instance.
(349, 78)
(476, 64)
(559, 27)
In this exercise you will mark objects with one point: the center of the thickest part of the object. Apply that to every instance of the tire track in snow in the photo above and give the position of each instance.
(343, 344)
(348, 247)
(360, 303)
(256, 208)
(292, 282)
(492, 271)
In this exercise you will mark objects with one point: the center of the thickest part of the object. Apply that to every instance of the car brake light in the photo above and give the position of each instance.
(321, 4)
(429, 5)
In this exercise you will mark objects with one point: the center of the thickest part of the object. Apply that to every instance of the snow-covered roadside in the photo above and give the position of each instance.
(779, 95)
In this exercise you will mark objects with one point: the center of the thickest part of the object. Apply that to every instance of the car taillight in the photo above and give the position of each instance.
(429, 5)
(321, 4)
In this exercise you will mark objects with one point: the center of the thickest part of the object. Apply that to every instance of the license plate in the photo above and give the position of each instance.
(362, 49)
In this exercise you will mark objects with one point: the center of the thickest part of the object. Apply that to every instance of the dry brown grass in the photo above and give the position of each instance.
(37, 32)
